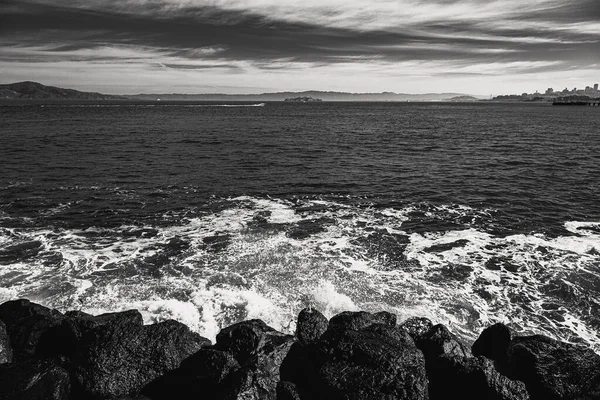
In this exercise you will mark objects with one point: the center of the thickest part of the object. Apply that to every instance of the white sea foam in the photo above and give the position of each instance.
(268, 275)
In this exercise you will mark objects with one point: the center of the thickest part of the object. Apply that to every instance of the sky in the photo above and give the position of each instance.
(479, 47)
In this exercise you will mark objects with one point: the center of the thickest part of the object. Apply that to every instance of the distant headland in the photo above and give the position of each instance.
(303, 99)
(551, 95)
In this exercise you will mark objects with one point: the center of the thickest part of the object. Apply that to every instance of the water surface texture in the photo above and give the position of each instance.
(466, 213)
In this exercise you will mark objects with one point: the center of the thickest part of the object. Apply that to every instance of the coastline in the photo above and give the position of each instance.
(354, 355)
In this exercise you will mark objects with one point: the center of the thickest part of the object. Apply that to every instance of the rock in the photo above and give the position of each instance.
(120, 359)
(376, 362)
(25, 323)
(202, 375)
(554, 370)
(287, 391)
(64, 339)
(439, 341)
(417, 327)
(258, 378)
(245, 338)
(455, 377)
(357, 320)
(34, 380)
(493, 343)
(5, 348)
(311, 325)
(300, 367)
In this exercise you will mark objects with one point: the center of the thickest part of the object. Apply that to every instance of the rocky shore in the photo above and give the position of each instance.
(45, 354)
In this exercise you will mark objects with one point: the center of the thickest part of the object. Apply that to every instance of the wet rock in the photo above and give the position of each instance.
(246, 338)
(438, 248)
(34, 380)
(356, 320)
(300, 367)
(310, 326)
(120, 359)
(258, 377)
(25, 323)
(64, 339)
(21, 251)
(287, 391)
(416, 327)
(386, 318)
(439, 341)
(554, 370)
(202, 375)
(493, 343)
(455, 377)
(376, 362)
(5, 348)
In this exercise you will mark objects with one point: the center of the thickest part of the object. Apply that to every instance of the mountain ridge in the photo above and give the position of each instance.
(28, 90)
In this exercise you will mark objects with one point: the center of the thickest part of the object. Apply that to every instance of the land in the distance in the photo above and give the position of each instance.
(37, 91)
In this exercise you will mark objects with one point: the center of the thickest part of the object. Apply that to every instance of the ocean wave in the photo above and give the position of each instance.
(268, 258)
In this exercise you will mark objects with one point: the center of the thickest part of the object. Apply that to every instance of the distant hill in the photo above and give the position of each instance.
(463, 99)
(303, 100)
(281, 96)
(37, 91)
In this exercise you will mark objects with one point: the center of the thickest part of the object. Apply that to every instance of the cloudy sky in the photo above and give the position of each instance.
(248, 46)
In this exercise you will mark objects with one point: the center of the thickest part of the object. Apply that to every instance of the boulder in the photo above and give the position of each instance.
(63, 339)
(245, 338)
(439, 341)
(376, 362)
(301, 367)
(493, 343)
(457, 377)
(287, 391)
(554, 370)
(120, 359)
(417, 327)
(34, 380)
(5, 348)
(356, 320)
(25, 323)
(258, 377)
(202, 375)
(311, 325)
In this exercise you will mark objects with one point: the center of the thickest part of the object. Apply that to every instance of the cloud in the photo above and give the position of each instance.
(445, 37)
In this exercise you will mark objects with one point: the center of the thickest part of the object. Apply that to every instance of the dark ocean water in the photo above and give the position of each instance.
(466, 213)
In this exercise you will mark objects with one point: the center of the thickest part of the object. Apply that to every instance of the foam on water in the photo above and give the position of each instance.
(269, 258)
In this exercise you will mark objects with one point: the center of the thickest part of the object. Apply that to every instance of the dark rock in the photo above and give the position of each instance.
(258, 378)
(357, 320)
(386, 318)
(301, 366)
(455, 377)
(554, 370)
(493, 343)
(311, 325)
(120, 359)
(245, 338)
(377, 362)
(438, 248)
(64, 339)
(439, 341)
(5, 348)
(34, 380)
(202, 375)
(287, 391)
(417, 327)
(25, 323)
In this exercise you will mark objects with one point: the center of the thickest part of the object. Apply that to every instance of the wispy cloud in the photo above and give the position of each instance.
(252, 40)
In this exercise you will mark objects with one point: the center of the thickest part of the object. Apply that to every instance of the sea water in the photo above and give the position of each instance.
(467, 214)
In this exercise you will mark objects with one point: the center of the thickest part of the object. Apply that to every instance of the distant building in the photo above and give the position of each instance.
(596, 87)
(550, 91)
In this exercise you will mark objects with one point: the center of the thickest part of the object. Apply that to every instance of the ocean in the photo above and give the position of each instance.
(466, 213)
